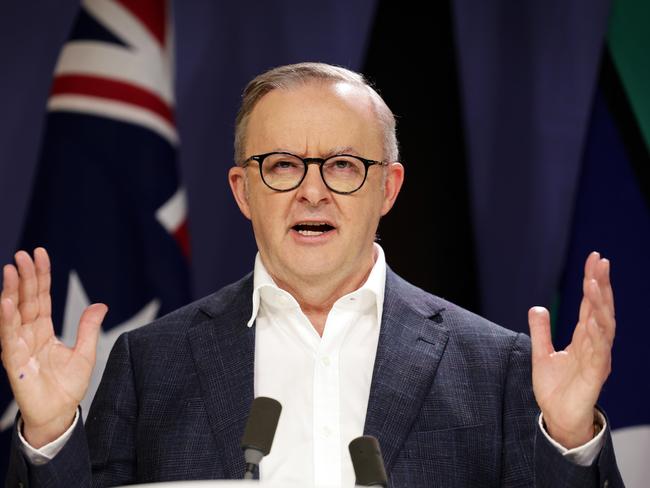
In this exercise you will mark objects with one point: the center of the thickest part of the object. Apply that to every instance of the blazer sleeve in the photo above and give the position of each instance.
(550, 468)
(70, 467)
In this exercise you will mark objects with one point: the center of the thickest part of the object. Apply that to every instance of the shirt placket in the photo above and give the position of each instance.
(327, 435)
(327, 390)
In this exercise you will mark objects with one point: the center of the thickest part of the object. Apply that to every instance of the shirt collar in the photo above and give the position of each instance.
(373, 286)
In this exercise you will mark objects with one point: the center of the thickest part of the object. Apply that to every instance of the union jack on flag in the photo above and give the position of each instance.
(106, 201)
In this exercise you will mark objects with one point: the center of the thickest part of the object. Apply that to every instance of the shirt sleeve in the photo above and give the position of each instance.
(48, 451)
(583, 455)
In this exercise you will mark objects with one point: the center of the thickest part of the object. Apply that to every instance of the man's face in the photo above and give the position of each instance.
(315, 120)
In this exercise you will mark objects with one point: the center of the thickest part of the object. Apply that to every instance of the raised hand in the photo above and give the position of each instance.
(567, 383)
(48, 379)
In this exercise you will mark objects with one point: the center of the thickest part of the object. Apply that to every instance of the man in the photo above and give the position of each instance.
(322, 325)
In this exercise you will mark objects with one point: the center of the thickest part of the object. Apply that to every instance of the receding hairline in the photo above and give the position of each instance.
(337, 88)
(293, 76)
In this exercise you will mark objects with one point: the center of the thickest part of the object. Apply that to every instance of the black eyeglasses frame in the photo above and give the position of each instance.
(259, 158)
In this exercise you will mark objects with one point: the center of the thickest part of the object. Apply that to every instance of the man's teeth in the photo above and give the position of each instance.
(310, 232)
(312, 228)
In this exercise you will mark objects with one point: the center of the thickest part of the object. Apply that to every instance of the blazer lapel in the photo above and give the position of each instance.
(223, 348)
(410, 347)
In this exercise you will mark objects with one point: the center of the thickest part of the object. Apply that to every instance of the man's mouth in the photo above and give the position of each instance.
(310, 229)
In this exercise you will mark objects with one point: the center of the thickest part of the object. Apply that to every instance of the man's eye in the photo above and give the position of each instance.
(284, 165)
(342, 164)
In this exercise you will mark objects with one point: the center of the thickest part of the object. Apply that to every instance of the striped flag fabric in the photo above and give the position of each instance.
(107, 202)
(557, 155)
(557, 118)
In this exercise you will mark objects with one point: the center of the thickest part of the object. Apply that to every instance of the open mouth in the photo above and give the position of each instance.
(311, 229)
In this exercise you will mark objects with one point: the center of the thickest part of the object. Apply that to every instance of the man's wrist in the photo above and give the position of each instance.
(577, 436)
(584, 455)
(42, 435)
(46, 453)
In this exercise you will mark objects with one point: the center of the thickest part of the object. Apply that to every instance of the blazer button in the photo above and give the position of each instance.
(606, 484)
(20, 484)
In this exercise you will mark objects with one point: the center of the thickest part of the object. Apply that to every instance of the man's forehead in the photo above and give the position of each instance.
(318, 89)
(324, 153)
(317, 100)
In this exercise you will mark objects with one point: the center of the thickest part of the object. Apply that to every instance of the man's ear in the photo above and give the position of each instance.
(238, 184)
(392, 185)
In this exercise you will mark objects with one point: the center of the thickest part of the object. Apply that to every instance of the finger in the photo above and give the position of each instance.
(601, 313)
(590, 265)
(88, 333)
(590, 271)
(14, 346)
(44, 280)
(28, 304)
(585, 305)
(601, 346)
(605, 284)
(9, 320)
(10, 282)
(540, 332)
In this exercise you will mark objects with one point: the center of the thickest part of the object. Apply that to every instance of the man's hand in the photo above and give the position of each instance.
(48, 379)
(567, 383)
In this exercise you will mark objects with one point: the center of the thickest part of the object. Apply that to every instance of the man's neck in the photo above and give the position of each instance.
(316, 298)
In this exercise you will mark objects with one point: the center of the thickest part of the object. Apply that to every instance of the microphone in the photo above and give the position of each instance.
(260, 430)
(367, 461)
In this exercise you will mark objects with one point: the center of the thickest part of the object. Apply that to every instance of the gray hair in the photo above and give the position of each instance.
(291, 75)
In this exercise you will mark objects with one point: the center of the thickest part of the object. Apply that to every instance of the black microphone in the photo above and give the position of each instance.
(260, 430)
(367, 461)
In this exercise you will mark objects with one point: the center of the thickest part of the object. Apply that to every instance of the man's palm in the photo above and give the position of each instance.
(48, 379)
(567, 383)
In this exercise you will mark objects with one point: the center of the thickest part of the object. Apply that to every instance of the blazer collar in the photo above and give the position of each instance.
(223, 351)
(412, 340)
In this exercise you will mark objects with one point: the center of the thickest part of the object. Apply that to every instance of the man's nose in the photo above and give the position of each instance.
(313, 190)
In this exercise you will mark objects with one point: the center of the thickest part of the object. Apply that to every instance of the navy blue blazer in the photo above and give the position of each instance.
(451, 402)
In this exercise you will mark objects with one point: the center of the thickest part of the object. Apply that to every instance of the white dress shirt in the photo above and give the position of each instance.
(323, 383)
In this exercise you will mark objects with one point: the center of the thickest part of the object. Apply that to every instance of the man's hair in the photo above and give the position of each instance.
(292, 75)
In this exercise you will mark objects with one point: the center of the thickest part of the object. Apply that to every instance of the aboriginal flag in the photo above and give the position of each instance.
(612, 215)
(556, 110)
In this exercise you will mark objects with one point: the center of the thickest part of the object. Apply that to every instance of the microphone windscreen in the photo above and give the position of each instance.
(261, 425)
(367, 461)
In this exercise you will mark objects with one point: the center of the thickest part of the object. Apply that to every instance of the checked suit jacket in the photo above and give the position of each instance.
(451, 402)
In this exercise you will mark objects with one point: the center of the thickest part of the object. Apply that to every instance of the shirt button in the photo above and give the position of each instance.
(327, 431)
(326, 361)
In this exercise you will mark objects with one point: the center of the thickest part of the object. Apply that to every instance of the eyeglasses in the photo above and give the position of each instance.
(342, 173)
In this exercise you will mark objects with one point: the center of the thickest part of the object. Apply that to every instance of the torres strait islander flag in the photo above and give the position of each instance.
(106, 202)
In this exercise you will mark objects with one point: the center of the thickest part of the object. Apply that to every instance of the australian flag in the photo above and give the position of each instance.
(106, 202)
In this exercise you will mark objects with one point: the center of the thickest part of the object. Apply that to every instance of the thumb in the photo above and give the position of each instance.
(88, 333)
(540, 332)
